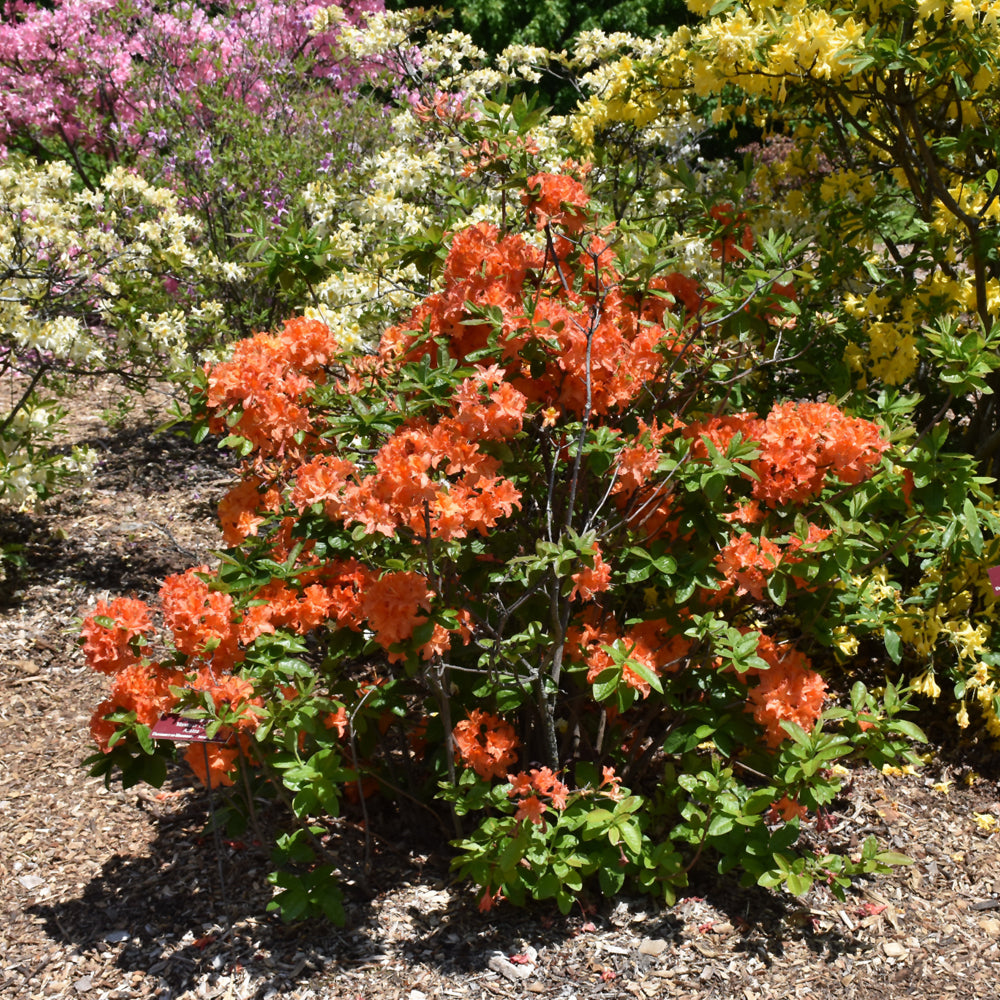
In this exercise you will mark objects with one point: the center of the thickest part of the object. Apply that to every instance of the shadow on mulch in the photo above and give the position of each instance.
(126, 554)
(43, 555)
(765, 921)
(152, 461)
(171, 903)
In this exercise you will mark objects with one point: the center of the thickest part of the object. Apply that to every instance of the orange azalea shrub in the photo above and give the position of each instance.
(526, 554)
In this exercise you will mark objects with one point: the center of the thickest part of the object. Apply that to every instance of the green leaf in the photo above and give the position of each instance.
(770, 880)
(798, 884)
(632, 836)
(892, 858)
(907, 728)
(720, 825)
(606, 683)
(640, 668)
(893, 645)
(777, 589)
(972, 526)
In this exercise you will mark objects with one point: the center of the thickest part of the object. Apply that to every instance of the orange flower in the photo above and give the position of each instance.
(531, 808)
(101, 730)
(323, 479)
(200, 619)
(240, 510)
(592, 580)
(261, 384)
(541, 781)
(556, 199)
(145, 690)
(485, 743)
(787, 690)
(308, 345)
(611, 783)
(747, 565)
(393, 604)
(220, 764)
(802, 442)
(140, 688)
(649, 643)
(337, 721)
(110, 649)
(489, 899)
(800, 445)
(236, 692)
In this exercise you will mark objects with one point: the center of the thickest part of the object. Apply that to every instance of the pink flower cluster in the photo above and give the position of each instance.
(72, 72)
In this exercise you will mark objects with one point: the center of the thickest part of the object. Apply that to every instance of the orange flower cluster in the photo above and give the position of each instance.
(800, 444)
(651, 643)
(203, 626)
(592, 580)
(485, 743)
(647, 504)
(746, 564)
(200, 619)
(392, 603)
(788, 690)
(537, 790)
(234, 692)
(561, 346)
(409, 487)
(327, 594)
(121, 649)
(143, 688)
(267, 384)
(442, 107)
(240, 510)
(558, 200)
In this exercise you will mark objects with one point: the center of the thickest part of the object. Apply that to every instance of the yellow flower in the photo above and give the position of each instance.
(846, 644)
(986, 821)
(926, 685)
(962, 716)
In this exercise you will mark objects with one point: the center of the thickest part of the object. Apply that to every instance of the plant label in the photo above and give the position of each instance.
(994, 573)
(177, 729)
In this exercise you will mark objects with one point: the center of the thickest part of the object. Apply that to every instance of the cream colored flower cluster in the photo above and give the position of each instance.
(65, 253)
(24, 478)
(76, 269)
(399, 188)
(376, 35)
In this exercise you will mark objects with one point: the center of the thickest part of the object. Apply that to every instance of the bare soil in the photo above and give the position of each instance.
(118, 894)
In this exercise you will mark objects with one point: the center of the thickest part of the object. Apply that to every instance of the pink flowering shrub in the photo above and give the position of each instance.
(83, 74)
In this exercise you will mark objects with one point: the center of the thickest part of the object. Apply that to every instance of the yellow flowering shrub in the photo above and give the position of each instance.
(875, 146)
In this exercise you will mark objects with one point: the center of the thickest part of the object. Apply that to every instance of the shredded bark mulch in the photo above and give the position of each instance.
(111, 894)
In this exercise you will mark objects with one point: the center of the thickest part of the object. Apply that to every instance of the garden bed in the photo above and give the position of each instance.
(112, 894)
